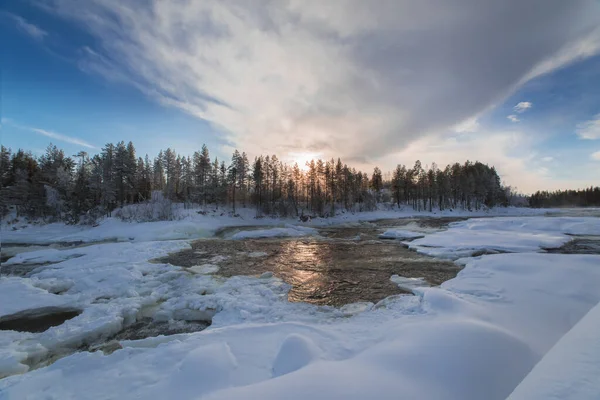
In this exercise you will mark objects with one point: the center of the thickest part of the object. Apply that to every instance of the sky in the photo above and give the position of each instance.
(514, 84)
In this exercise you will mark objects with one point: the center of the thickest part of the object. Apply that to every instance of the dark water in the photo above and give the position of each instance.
(346, 265)
(579, 245)
(38, 320)
(147, 327)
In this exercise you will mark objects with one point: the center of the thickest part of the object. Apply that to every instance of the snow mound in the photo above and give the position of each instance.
(214, 363)
(296, 352)
(400, 234)
(287, 231)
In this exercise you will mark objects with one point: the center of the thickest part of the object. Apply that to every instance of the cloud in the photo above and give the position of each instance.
(32, 30)
(589, 129)
(513, 118)
(467, 126)
(522, 106)
(63, 138)
(547, 158)
(367, 80)
(50, 134)
(596, 156)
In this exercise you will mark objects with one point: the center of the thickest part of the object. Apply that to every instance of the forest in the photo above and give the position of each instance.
(589, 197)
(83, 188)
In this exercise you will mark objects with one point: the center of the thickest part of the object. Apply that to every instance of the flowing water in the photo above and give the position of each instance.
(343, 265)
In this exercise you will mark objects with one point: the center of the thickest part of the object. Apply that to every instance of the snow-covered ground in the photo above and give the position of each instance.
(475, 337)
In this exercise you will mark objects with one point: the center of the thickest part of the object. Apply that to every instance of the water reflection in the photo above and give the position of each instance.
(304, 265)
(350, 265)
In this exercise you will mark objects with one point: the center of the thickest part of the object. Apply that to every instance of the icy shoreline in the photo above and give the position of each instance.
(193, 225)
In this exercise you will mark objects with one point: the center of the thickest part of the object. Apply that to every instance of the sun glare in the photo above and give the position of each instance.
(303, 158)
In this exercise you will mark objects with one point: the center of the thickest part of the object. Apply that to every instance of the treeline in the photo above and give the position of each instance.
(56, 186)
(589, 197)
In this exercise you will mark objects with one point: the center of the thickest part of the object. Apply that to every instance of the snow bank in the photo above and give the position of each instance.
(571, 369)
(287, 231)
(511, 235)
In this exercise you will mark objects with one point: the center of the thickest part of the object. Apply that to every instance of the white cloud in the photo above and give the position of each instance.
(29, 28)
(63, 138)
(467, 126)
(50, 134)
(596, 156)
(547, 158)
(345, 79)
(513, 118)
(522, 106)
(589, 129)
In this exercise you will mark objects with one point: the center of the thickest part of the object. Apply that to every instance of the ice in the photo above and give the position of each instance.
(509, 234)
(400, 234)
(408, 284)
(204, 269)
(257, 254)
(288, 231)
(356, 308)
(18, 295)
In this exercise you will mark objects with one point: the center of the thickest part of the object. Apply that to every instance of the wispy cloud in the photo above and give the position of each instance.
(50, 134)
(589, 129)
(63, 138)
(263, 75)
(513, 118)
(596, 156)
(30, 29)
(547, 158)
(522, 106)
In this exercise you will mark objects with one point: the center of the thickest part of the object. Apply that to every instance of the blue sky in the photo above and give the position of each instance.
(44, 87)
(375, 85)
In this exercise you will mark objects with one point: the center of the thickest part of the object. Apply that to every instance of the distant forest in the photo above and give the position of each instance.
(82, 189)
(589, 197)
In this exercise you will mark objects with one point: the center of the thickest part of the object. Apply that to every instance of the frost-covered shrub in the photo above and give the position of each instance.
(158, 208)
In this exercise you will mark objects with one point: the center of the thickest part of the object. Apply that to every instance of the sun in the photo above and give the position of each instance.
(302, 158)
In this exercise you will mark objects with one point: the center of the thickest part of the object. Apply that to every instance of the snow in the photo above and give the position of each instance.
(20, 294)
(509, 234)
(287, 231)
(477, 336)
(400, 234)
(570, 370)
